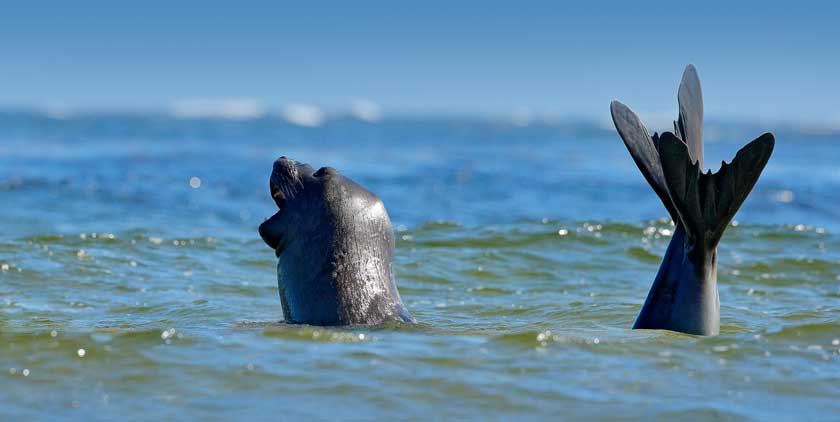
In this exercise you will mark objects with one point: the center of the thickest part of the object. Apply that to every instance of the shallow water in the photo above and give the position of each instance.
(524, 253)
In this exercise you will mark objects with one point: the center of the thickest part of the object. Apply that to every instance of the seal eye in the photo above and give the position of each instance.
(325, 171)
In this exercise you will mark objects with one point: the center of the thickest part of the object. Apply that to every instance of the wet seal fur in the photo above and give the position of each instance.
(684, 296)
(335, 247)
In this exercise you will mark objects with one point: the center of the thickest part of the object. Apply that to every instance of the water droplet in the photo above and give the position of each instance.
(167, 333)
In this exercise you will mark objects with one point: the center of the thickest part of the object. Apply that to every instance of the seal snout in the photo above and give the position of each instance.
(284, 166)
(284, 176)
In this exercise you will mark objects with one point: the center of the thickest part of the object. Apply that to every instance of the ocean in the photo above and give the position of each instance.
(133, 283)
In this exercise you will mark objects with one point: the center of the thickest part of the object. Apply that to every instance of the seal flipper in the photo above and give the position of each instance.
(738, 179)
(684, 295)
(644, 149)
(707, 202)
(689, 124)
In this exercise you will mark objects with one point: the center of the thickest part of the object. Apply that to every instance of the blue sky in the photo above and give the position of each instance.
(757, 60)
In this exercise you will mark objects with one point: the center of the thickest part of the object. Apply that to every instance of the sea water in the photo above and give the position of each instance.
(133, 283)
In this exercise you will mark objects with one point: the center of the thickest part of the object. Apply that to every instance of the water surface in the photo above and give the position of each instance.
(524, 252)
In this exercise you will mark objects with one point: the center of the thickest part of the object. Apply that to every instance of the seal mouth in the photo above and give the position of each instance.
(280, 198)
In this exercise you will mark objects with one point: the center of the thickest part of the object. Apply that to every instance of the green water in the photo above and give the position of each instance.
(516, 321)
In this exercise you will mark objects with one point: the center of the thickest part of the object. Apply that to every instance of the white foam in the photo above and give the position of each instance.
(366, 111)
(226, 108)
(303, 115)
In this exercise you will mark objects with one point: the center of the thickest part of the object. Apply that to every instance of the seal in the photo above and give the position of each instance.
(684, 295)
(335, 247)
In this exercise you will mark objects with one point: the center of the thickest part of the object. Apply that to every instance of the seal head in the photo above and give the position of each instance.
(335, 246)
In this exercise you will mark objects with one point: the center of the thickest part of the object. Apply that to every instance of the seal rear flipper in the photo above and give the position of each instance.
(644, 150)
(736, 180)
(706, 203)
(689, 125)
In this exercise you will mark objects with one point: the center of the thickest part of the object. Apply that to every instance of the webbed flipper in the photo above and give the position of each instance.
(706, 203)
(644, 150)
(689, 125)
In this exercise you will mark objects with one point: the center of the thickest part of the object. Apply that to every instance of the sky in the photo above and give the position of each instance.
(757, 60)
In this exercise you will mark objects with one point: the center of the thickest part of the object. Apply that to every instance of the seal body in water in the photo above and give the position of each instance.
(335, 246)
(684, 296)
